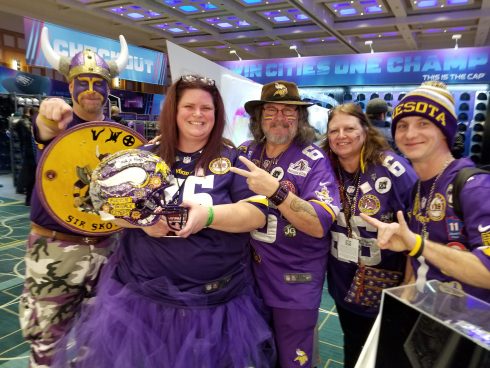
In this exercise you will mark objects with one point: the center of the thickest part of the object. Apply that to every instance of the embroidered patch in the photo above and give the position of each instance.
(277, 172)
(297, 277)
(454, 228)
(369, 204)
(456, 245)
(437, 208)
(300, 168)
(256, 256)
(288, 184)
(281, 90)
(289, 231)
(365, 188)
(243, 149)
(220, 165)
(324, 195)
(301, 357)
(485, 238)
(383, 185)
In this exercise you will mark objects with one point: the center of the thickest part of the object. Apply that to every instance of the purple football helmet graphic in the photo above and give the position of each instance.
(130, 185)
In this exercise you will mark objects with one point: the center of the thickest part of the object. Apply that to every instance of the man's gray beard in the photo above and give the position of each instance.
(283, 139)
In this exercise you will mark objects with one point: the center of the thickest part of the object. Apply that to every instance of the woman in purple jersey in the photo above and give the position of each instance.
(186, 300)
(372, 180)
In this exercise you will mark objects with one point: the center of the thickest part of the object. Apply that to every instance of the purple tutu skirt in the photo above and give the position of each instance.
(124, 329)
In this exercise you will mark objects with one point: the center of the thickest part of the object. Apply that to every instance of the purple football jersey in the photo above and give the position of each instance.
(207, 268)
(39, 214)
(443, 226)
(290, 265)
(380, 192)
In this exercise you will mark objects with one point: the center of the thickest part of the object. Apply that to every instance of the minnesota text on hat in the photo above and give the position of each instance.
(433, 101)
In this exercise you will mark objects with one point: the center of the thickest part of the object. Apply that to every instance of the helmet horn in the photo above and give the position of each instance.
(51, 56)
(122, 59)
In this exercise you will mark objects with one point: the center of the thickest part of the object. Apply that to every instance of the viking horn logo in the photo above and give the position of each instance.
(281, 90)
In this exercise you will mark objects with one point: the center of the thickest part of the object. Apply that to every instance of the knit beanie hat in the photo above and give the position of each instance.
(433, 101)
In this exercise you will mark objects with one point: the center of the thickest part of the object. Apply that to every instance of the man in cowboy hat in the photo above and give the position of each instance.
(290, 252)
(62, 266)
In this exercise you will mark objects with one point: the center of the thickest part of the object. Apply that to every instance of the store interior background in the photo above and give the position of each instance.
(229, 30)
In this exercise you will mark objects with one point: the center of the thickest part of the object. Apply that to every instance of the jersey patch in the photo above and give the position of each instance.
(277, 172)
(454, 228)
(288, 184)
(324, 195)
(220, 165)
(300, 168)
(383, 185)
(369, 204)
(301, 357)
(365, 188)
(437, 207)
(485, 238)
(457, 245)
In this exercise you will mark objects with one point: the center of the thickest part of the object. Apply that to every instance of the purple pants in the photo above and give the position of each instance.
(294, 331)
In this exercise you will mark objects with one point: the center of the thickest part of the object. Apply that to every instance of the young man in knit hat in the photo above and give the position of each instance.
(62, 266)
(290, 252)
(442, 245)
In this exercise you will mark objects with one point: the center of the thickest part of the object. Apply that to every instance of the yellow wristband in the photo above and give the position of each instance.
(418, 244)
(48, 122)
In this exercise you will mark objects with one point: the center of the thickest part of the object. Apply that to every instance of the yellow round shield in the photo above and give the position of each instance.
(65, 169)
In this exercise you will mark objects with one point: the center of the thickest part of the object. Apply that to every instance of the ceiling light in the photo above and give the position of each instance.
(295, 48)
(370, 44)
(456, 38)
(234, 52)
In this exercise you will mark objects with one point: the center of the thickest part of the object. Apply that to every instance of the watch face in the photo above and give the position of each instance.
(280, 195)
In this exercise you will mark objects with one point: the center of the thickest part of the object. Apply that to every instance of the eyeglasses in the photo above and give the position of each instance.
(192, 78)
(272, 111)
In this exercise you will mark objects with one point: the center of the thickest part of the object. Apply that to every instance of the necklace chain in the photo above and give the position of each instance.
(349, 204)
(424, 217)
(270, 164)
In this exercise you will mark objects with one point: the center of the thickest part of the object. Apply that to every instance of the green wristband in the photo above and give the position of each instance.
(210, 216)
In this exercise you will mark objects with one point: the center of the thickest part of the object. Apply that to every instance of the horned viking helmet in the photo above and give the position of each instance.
(84, 62)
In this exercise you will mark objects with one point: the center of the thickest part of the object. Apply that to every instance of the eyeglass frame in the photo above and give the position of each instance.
(286, 108)
(190, 78)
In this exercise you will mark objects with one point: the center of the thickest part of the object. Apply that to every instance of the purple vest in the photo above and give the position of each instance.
(472, 233)
(289, 264)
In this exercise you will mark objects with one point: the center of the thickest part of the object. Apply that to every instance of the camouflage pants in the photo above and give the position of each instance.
(60, 275)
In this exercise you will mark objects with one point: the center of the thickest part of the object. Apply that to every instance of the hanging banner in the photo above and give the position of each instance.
(144, 65)
(464, 65)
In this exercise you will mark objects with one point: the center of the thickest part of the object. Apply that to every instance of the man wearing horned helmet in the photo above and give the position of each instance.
(62, 266)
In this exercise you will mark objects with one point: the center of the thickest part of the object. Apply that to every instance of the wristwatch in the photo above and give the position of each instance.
(279, 195)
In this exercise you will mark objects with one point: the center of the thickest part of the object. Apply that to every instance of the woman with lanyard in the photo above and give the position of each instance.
(185, 300)
(375, 181)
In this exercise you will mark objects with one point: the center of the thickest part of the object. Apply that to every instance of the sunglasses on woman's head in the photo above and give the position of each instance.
(192, 78)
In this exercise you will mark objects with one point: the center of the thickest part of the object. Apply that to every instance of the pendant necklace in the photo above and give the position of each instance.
(424, 218)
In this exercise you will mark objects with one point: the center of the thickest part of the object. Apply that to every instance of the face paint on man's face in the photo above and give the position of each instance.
(89, 85)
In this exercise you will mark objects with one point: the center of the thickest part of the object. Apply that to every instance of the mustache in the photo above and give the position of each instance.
(283, 124)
